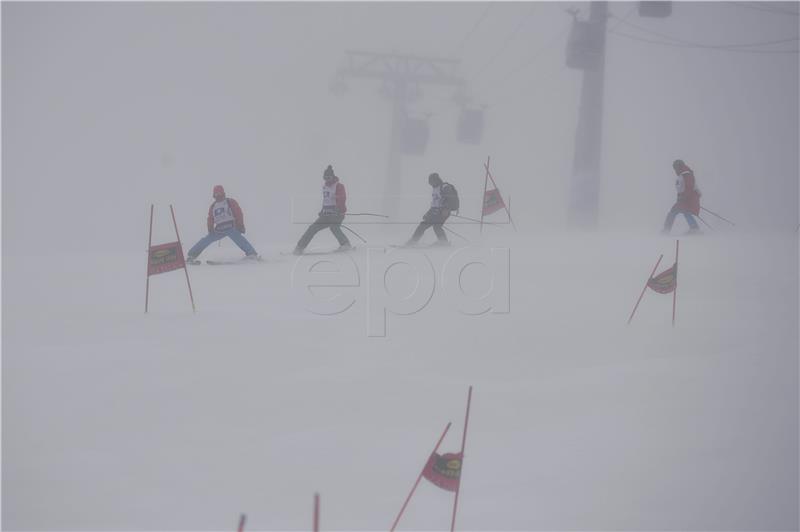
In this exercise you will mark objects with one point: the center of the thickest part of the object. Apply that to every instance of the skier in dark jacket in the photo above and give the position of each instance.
(444, 199)
(334, 207)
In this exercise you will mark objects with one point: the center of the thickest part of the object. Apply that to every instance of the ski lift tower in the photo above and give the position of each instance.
(402, 76)
(586, 51)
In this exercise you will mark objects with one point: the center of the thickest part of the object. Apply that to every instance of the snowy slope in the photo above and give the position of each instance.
(113, 419)
(117, 420)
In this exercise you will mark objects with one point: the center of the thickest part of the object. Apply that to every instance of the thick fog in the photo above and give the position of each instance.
(108, 108)
(129, 104)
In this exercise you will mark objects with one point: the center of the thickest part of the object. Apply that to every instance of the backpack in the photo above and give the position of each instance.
(450, 199)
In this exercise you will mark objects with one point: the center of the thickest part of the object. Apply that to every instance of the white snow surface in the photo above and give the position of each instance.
(114, 419)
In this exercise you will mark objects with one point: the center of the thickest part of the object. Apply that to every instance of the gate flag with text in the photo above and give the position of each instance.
(444, 470)
(165, 258)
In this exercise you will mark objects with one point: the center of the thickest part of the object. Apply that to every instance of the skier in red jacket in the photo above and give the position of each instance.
(334, 207)
(688, 202)
(225, 218)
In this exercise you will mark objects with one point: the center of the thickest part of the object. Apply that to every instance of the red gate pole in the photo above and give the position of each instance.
(675, 292)
(316, 512)
(185, 270)
(463, 444)
(485, 184)
(403, 509)
(645, 288)
(242, 519)
(149, 243)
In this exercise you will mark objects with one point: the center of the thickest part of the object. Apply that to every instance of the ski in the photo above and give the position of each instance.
(428, 246)
(235, 261)
(321, 252)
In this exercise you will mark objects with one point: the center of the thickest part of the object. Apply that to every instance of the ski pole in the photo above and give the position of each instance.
(359, 236)
(718, 216)
(706, 223)
(365, 214)
(473, 220)
(448, 229)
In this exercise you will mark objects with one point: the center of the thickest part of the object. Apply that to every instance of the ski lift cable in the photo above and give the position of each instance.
(509, 38)
(705, 45)
(622, 19)
(459, 49)
(701, 47)
(763, 7)
(502, 82)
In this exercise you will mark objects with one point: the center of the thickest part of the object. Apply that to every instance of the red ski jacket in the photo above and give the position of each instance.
(688, 195)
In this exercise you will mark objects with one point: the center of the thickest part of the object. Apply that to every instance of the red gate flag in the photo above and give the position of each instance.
(492, 202)
(666, 281)
(165, 258)
(444, 470)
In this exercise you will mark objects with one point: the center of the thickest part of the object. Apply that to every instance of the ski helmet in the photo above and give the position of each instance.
(679, 166)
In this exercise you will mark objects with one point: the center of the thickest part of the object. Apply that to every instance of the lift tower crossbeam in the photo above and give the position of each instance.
(399, 72)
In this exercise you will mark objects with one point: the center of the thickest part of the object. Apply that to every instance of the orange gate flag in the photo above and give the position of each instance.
(165, 258)
(492, 202)
(444, 470)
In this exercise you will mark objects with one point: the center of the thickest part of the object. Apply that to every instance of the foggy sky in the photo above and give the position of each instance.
(114, 106)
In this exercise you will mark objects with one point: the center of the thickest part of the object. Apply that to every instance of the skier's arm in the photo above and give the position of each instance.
(238, 215)
(447, 194)
(210, 219)
(688, 184)
(341, 199)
